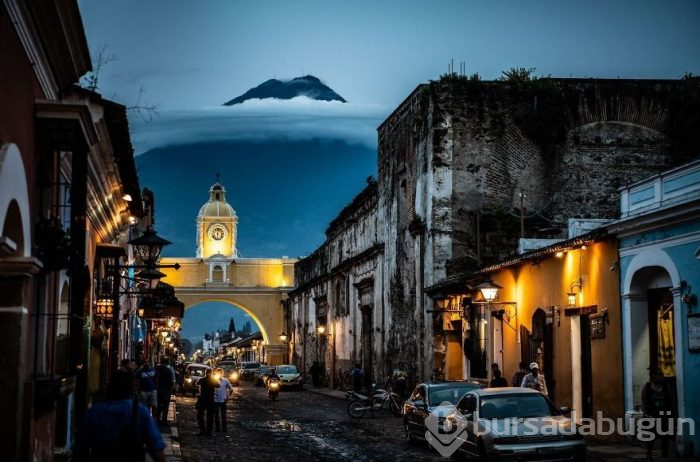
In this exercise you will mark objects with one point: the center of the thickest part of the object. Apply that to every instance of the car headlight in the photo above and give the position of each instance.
(234, 376)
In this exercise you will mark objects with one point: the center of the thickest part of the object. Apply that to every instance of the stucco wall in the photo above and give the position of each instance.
(544, 284)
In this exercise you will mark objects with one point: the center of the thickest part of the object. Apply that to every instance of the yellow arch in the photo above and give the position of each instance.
(239, 305)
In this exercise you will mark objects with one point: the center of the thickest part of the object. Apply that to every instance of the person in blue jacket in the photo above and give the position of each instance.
(119, 428)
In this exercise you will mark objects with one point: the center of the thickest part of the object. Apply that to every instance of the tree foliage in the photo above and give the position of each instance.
(518, 75)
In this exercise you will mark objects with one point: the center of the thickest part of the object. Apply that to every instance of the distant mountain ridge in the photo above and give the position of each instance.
(307, 85)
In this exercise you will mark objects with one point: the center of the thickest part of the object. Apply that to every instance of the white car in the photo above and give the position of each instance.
(514, 424)
(289, 376)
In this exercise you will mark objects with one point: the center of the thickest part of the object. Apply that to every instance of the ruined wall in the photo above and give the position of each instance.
(412, 192)
(458, 154)
(330, 285)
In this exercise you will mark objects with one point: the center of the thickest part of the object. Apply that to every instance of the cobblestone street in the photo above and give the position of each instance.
(298, 426)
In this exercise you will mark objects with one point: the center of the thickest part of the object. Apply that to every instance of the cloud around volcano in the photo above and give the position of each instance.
(297, 119)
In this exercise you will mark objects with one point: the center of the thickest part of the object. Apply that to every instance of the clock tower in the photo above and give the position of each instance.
(217, 226)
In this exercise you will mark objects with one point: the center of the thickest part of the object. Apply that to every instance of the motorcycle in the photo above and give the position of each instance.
(273, 389)
(379, 399)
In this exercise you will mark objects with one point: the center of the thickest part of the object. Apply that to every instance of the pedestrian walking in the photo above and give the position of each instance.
(165, 381)
(656, 403)
(520, 374)
(146, 376)
(497, 381)
(220, 397)
(119, 428)
(357, 376)
(315, 374)
(205, 403)
(535, 380)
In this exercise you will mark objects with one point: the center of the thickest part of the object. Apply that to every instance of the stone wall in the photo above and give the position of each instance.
(458, 154)
(340, 286)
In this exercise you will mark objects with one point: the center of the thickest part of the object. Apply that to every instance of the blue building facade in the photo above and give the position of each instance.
(659, 271)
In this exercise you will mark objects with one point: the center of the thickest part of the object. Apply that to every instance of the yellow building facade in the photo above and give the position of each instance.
(258, 286)
(566, 317)
(558, 306)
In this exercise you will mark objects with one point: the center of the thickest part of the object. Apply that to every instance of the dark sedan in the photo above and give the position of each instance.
(426, 397)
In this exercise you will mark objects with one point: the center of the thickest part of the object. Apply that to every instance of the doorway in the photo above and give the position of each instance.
(367, 344)
(662, 351)
(541, 348)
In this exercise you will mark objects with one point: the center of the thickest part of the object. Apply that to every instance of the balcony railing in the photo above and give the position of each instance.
(666, 189)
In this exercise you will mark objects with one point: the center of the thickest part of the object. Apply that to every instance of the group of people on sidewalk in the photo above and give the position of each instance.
(123, 426)
(156, 385)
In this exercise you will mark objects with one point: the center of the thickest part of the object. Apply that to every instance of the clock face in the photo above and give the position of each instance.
(217, 232)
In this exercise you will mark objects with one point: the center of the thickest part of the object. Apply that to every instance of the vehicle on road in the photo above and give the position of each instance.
(249, 369)
(263, 374)
(378, 399)
(426, 398)
(193, 374)
(273, 388)
(231, 371)
(289, 376)
(514, 424)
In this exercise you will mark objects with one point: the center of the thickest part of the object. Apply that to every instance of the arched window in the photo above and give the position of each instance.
(12, 228)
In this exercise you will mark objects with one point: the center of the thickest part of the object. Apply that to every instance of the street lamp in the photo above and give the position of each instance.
(148, 247)
(283, 337)
(489, 290)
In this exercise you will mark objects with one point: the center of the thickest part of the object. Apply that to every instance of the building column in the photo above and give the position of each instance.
(15, 285)
(576, 394)
(679, 353)
(80, 278)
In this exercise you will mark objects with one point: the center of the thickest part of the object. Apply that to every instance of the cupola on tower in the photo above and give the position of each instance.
(217, 226)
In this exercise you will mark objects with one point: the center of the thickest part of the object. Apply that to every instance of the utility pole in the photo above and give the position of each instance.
(478, 238)
(522, 215)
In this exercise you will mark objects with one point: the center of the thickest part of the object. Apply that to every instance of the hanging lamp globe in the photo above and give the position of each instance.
(149, 246)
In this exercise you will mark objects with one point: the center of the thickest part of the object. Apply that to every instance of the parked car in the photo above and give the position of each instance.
(193, 374)
(426, 398)
(289, 376)
(263, 374)
(515, 424)
(231, 371)
(248, 370)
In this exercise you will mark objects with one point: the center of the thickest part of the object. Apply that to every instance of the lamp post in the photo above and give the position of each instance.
(283, 338)
(148, 247)
(489, 291)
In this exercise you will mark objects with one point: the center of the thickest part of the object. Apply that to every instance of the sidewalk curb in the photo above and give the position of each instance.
(174, 435)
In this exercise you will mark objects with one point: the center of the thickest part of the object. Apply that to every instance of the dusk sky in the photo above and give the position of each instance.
(197, 54)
